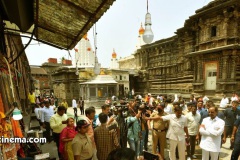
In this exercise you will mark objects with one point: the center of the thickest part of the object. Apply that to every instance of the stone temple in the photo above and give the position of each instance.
(202, 58)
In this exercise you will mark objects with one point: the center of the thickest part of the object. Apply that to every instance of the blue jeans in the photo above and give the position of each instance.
(134, 145)
(142, 142)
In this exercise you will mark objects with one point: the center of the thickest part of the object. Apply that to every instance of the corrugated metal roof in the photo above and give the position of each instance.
(64, 22)
(60, 23)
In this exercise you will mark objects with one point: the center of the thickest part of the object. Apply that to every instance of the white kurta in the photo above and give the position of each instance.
(211, 135)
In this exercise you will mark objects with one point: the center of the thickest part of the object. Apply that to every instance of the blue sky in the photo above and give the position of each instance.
(118, 28)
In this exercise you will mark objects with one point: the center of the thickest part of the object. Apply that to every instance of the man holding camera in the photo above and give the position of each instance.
(134, 130)
(143, 127)
(159, 130)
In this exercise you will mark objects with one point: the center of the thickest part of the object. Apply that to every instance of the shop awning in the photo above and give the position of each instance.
(61, 23)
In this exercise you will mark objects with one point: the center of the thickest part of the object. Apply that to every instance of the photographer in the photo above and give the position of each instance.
(122, 113)
(159, 130)
(134, 130)
(144, 127)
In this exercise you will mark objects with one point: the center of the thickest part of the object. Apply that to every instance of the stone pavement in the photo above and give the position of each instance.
(52, 149)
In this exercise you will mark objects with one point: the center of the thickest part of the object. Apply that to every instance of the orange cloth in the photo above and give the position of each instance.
(17, 132)
(1, 104)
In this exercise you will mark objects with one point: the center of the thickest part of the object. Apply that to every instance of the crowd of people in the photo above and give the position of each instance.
(129, 123)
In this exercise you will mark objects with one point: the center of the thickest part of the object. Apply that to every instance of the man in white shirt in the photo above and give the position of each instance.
(38, 112)
(74, 105)
(193, 119)
(211, 130)
(37, 92)
(47, 113)
(176, 98)
(205, 99)
(160, 98)
(224, 102)
(168, 108)
(234, 97)
(133, 93)
(176, 131)
(110, 120)
(57, 122)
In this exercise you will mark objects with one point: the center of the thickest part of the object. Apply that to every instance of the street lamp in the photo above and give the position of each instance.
(148, 34)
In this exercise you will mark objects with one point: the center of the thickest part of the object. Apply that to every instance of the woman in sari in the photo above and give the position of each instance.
(66, 137)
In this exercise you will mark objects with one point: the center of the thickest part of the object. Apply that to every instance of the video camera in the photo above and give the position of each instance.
(123, 109)
(123, 102)
(138, 99)
(143, 107)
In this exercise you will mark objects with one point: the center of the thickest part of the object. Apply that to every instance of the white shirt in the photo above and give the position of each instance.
(114, 98)
(74, 103)
(211, 136)
(139, 97)
(205, 99)
(37, 112)
(176, 98)
(151, 100)
(47, 114)
(234, 98)
(224, 102)
(168, 109)
(133, 92)
(159, 98)
(56, 122)
(193, 123)
(176, 127)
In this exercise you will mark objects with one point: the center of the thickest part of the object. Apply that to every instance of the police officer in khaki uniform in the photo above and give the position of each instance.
(159, 129)
(82, 144)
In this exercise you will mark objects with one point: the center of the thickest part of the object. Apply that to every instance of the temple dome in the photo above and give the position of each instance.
(141, 30)
(114, 54)
(85, 37)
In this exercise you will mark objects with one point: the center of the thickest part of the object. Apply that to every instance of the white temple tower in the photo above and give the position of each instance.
(85, 56)
(140, 41)
(114, 61)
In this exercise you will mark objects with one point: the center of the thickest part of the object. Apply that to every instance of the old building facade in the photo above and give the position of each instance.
(122, 79)
(40, 78)
(203, 56)
(66, 81)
